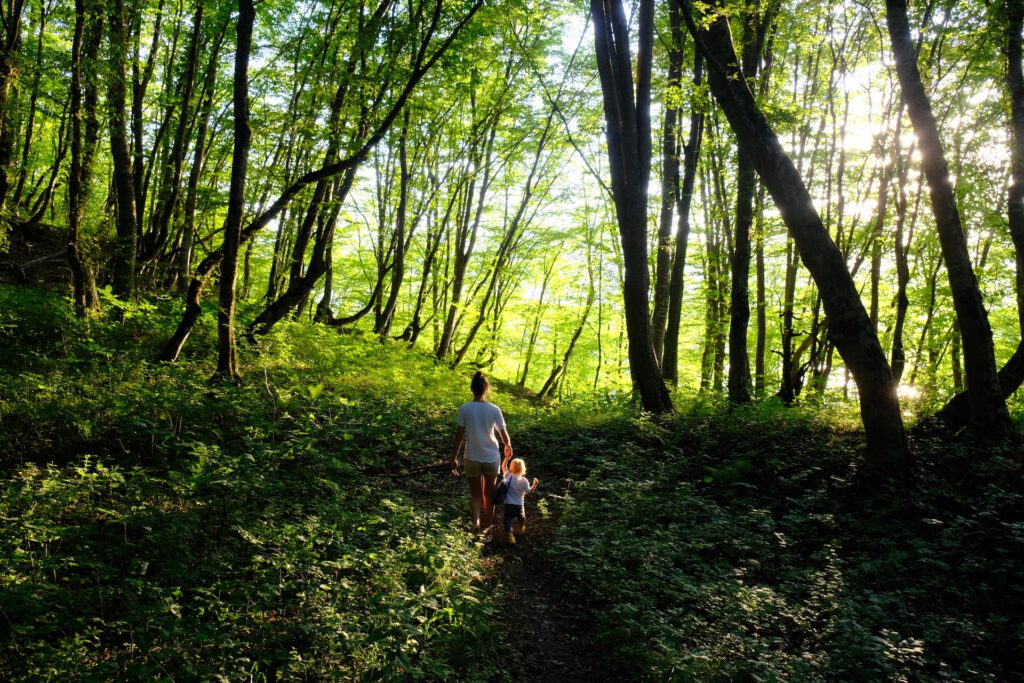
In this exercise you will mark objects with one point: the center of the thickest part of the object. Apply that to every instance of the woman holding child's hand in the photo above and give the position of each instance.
(479, 425)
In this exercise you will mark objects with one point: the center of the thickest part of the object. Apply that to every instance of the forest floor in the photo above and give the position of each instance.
(549, 642)
(296, 526)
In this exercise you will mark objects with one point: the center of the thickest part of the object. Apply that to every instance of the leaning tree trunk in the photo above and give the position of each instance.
(227, 364)
(1015, 194)
(628, 117)
(849, 326)
(988, 407)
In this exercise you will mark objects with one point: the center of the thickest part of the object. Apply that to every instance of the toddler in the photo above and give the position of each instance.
(514, 473)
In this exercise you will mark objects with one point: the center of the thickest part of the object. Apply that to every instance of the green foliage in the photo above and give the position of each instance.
(153, 524)
(737, 546)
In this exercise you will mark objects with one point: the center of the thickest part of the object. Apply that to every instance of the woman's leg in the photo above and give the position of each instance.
(476, 500)
(487, 518)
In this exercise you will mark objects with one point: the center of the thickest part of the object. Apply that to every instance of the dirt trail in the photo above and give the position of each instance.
(552, 642)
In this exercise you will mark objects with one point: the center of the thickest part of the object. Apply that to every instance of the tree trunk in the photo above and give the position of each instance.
(227, 364)
(26, 147)
(628, 132)
(535, 331)
(958, 412)
(10, 44)
(511, 237)
(988, 407)
(670, 357)
(754, 30)
(761, 306)
(140, 83)
(124, 183)
(387, 315)
(465, 239)
(669, 187)
(170, 186)
(78, 174)
(192, 193)
(902, 242)
(849, 326)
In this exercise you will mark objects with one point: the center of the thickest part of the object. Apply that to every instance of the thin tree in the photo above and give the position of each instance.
(227, 364)
(627, 114)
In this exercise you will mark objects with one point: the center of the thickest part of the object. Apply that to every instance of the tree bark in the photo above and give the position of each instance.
(10, 44)
(628, 133)
(78, 174)
(26, 147)
(957, 412)
(691, 152)
(383, 324)
(192, 193)
(754, 29)
(669, 187)
(988, 407)
(170, 186)
(124, 183)
(1015, 193)
(849, 326)
(227, 363)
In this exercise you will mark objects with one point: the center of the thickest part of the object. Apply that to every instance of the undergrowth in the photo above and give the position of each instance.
(291, 527)
(154, 524)
(741, 546)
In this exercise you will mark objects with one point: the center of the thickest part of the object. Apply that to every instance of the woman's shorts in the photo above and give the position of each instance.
(475, 468)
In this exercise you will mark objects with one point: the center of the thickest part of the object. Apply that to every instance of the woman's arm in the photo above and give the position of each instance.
(460, 438)
(503, 435)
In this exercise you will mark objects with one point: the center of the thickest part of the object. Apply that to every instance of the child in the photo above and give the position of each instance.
(515, 510)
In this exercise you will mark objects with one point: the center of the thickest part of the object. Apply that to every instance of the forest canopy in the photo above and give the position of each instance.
(438, 173)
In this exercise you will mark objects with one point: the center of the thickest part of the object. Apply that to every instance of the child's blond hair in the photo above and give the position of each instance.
(517, 466)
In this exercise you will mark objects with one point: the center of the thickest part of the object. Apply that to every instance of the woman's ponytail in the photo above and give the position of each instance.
(480, 385)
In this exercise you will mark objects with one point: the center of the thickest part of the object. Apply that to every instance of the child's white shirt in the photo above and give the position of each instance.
(518, 487)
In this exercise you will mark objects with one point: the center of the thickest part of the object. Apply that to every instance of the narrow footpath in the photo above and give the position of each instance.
(552, 638)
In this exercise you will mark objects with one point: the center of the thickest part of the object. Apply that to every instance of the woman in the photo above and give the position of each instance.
(476, 425)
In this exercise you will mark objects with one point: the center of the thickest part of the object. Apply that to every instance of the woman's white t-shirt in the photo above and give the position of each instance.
(518, 487)
(480, 419)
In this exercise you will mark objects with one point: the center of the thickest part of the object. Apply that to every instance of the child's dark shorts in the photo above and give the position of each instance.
(512, 513)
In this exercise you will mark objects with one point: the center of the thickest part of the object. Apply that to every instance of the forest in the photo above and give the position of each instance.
(746, 278)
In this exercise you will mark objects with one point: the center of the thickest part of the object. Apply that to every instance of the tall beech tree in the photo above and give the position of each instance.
(628, 119)
(227, 364)
(960, 410)
(84, 132)
(849, 325)
(988, 407)
(755, 28)
(684, 199)
(124, 176)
